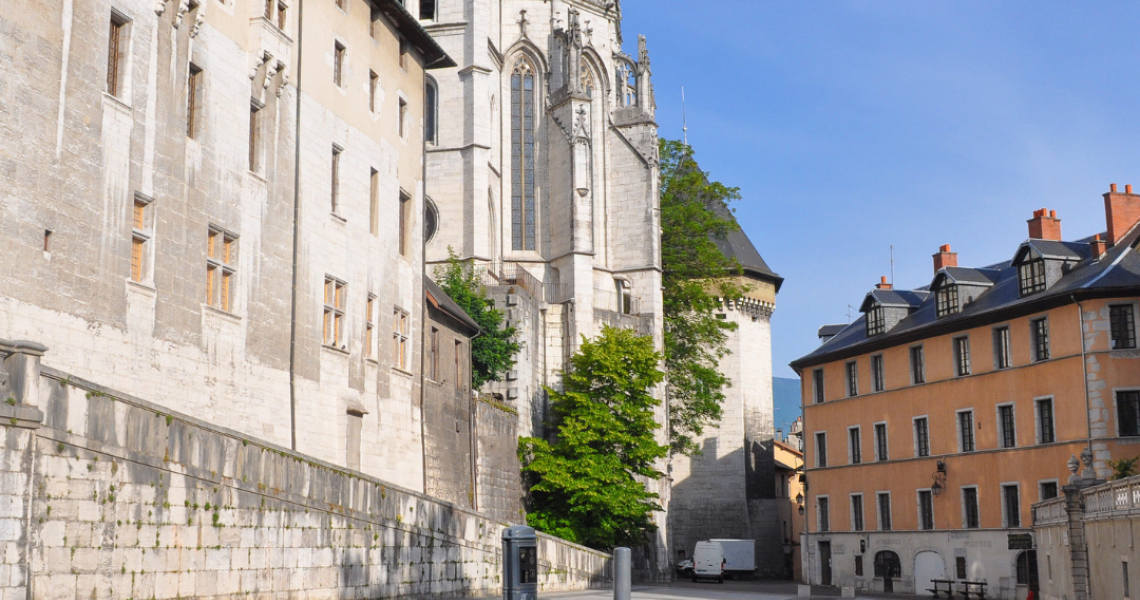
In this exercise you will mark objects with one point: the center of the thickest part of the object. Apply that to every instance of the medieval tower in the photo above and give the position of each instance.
(542, 160)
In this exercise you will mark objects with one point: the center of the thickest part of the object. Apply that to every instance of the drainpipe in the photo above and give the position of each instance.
(1085, 372)
(423, 273)
(296, 233)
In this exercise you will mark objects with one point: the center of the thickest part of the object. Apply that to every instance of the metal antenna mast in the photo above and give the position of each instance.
(684, 118)
(892, 264)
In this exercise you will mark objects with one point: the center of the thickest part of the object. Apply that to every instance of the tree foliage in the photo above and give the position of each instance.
(584, 485)
(1123, 468)
(695, 275)
(493, 351)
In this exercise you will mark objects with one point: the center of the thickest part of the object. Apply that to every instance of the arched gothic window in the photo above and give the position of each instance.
(522, 156)
(626, 85)
(431, 112)
(587, 79)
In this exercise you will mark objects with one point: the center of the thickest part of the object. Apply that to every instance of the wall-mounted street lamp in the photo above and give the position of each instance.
(939, 477)
(800, 501)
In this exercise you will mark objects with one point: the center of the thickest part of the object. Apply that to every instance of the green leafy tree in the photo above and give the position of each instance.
(1123, 468)
(584, 485)
(493, 351)
(695, 275)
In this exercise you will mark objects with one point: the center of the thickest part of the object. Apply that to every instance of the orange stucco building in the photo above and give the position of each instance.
(934, 422)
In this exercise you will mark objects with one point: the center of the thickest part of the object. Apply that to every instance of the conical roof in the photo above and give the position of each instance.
(737, 245)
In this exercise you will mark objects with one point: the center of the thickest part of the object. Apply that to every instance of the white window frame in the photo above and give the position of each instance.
(1005, 509)
(819, 513)
(402, 364)
(875, 440)
(918, 509)
(1033, 338)
(1041, 482)
(1037, 418)
(851, 449)
(815, 439)
(962, 501)
(1009, 345)
(1135, 325)
(879, 512)
(862, 511)
(958, 428)
(914, 436)
(997, 419)
(956, 350)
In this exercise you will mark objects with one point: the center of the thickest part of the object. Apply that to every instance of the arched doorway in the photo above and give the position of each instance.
(928, 566)
(1026, 571)
(888, 567)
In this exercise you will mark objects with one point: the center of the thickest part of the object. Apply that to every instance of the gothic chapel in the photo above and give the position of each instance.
(542, 169)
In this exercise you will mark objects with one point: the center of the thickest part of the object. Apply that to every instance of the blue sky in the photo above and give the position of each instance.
(854, 125)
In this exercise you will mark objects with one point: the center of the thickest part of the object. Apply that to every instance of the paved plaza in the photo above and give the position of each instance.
(730, 590)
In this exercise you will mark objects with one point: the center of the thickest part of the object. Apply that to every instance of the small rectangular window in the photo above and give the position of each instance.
(947, 301)
(1011, 502)
(403, 53)
(960, 566)
(373, 85)
(966, 430)
(403, 116)
(1046, 433)
(460, 380)
(921, 437)
(917, 365)
(193, 91)
(1124, 578)
(334, 179)
(859, 565)
(433, 355)
(970, 519)
(854, 446)
(884, 511)
(140, 238)
(878, 381)
(221, 268)
(1001, 348)
(881, 441)
(338, 64)
(817, 382)
(405, 224)
(962, 355)
(852, 379)
(254, 139)
(856, 512)
(1040, 329)
(925, 510)
(427, 10)
(1128, 413)
(47, 241)
(269, 10)
(821, 449)
(374, 201)
(335, 294)
(115, 53)
(1048, 490)
(400, 334)
(1031, 277)
(1123, 325)
(1007, 433)
(282, 15)
(876, 321)
(370, 326)
(824, 514)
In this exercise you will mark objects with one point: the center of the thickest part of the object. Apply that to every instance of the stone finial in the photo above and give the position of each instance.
(1087, 458)
(1074, 465)
(522, 23)
(642, 51)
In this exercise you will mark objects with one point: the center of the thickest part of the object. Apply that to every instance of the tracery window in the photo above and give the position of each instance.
(587, 80)
(627, 85)
(522, 156)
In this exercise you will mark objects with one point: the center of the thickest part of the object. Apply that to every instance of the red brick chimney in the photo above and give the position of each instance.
(1121, 212)
(1099, 246)
(883, 285)
(1045, 225)
(945, 258)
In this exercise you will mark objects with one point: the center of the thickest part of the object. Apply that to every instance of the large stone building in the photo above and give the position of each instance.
(542, 169)
(729, 490)
(202, 210)
(936, 420)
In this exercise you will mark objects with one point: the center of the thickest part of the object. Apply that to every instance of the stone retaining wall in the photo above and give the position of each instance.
(115, 497)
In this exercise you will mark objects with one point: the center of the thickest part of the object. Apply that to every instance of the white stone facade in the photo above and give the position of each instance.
(593, 183)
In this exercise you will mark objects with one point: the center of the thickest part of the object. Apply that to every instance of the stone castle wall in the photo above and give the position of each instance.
(115, 497)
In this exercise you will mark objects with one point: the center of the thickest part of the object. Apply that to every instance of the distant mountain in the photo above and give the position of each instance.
(786, 402)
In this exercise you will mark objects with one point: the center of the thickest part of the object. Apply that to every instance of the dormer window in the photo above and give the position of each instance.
(947, 301)
(1031, 276)
(876, 321)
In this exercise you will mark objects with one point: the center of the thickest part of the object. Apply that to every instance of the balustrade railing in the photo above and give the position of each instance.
(1121, 495)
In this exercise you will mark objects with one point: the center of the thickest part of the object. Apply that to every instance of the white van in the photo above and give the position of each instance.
(708, 561)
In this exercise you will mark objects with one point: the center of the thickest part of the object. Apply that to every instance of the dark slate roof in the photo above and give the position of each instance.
(1115, 274)
(971, 276)
(831, 330)
(894, 298)
(737, 245)
(443, 302)
(1056, 250)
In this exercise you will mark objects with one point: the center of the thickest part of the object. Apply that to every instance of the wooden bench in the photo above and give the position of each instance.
(941, 586)
(972, 589)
